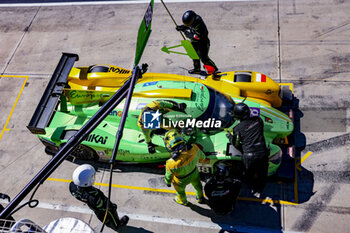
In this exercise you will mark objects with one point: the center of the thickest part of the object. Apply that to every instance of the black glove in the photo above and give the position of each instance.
(181, 28)
(144, 68)
(229, 136)
(169, 185)
(5, 196)
(188, 34)
(151, 148)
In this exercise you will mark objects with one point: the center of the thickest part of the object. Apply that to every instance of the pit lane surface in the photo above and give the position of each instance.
(306, 43)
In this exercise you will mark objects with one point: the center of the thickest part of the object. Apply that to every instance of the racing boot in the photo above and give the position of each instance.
(197, 67)
(123, 221)
(179, 201)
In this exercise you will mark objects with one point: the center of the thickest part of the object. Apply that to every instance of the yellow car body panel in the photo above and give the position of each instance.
(263, 90)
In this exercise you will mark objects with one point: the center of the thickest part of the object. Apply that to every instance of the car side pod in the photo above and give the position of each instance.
(50, 99)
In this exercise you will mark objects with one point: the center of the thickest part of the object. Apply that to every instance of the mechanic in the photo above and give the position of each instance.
(181, 168)
(248, 136)
(195, 29)
(81, 188)
(221, 190)
(10, 221)
(163, 106)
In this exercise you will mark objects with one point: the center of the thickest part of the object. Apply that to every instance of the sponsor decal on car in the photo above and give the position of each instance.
(116, 113)
(254, 111)
(118, 70)
(96, 138)
(150, 84)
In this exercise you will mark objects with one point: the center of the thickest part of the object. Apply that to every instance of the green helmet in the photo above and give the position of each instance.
(174, 141)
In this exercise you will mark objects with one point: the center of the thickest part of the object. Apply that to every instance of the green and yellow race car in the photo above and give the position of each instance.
(74, 95)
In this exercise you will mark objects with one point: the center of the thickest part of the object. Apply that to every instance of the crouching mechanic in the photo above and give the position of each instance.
(161, 106)
(248, 136)
(181, 168)
(195, 29)
(81, 188)
(221, 190)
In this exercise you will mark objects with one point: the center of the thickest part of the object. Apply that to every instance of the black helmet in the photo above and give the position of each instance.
(241, 111)
(188, 18)
(221, 171)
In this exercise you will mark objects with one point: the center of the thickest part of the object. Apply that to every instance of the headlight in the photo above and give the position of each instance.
(276, 157)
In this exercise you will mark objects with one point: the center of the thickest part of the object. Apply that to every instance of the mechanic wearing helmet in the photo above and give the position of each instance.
(221, 190)
(163, 106)
(248, 136)
(181, 168)
(81, 188)
(195, 29)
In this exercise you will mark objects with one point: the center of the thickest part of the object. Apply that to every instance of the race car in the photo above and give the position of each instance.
(74, 95)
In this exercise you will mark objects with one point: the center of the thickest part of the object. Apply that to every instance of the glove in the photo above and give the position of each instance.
(5, 196)
(181, 28)
(188, 34)
(144, 68)
(229, 136)
(151, 148)
(167, 184)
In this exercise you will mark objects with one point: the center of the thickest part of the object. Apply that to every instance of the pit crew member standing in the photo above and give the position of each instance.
(248, 136)
(195, 29)
(163, 107)
(81, 188)
(181, 168)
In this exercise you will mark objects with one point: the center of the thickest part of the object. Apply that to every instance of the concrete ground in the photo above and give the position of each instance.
(302, 42)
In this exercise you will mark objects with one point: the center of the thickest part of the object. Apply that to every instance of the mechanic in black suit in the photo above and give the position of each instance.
(82, 189)
(195, 29)
(248, 136)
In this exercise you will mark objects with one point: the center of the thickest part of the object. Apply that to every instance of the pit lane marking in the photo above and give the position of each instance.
(260, 200)
(303, 159)
(162, 220)
(112, 2)
(14, 105)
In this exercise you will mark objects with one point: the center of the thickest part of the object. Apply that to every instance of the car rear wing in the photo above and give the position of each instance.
(51, 97)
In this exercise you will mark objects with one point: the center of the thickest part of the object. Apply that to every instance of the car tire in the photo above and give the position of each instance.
(84, 153)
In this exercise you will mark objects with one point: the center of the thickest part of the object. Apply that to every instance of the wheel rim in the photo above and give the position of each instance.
(84, 153)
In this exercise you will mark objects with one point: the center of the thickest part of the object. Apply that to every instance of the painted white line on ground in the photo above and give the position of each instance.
(114, 2)
(157, 219)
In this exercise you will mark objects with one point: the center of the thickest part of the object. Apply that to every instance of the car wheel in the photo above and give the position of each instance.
(84, 153)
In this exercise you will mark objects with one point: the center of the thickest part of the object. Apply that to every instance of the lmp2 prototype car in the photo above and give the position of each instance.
(74, 95)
